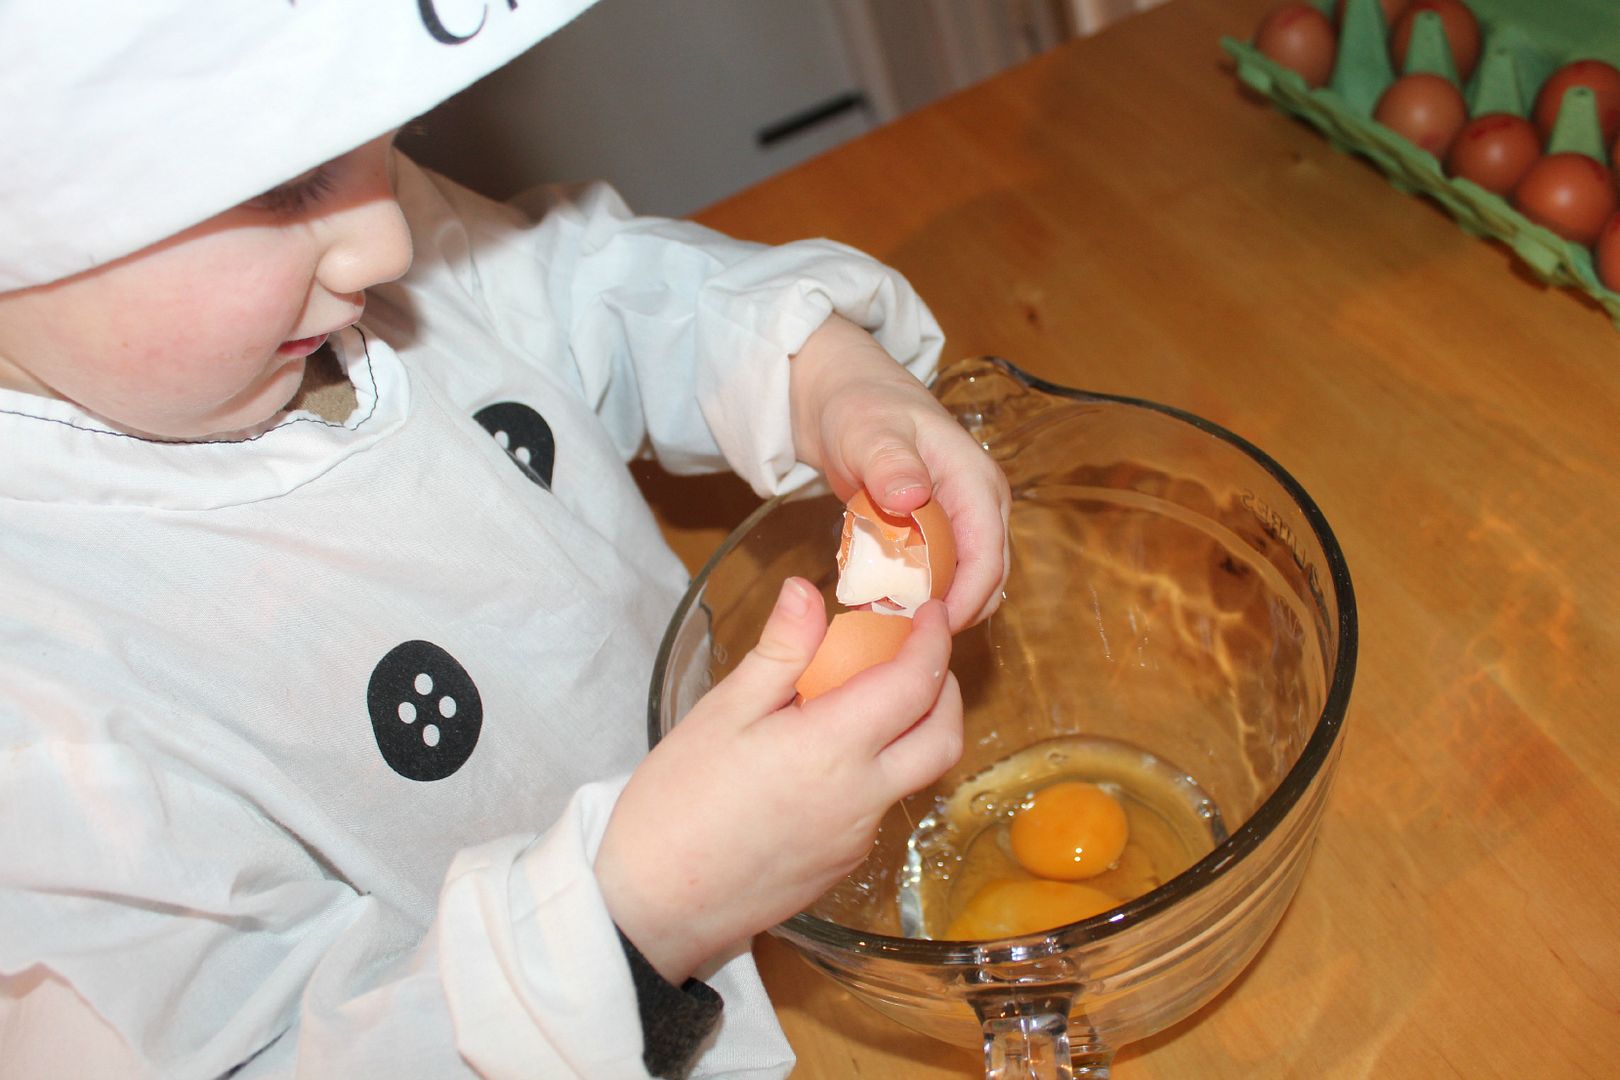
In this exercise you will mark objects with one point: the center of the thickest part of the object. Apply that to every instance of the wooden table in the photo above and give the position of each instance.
(1120, 215)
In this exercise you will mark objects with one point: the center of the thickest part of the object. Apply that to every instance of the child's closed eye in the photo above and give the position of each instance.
(297, 194)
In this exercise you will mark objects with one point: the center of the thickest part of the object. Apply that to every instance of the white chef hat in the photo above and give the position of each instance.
(125, 121)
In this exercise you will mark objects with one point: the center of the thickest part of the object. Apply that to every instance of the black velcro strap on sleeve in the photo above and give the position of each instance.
(675, 1020)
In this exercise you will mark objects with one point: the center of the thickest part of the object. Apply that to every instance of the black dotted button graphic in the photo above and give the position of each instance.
(524, 434)
(425, 711)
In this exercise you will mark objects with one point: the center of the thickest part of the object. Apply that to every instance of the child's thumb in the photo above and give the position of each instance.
(896, 477)
(795, 628)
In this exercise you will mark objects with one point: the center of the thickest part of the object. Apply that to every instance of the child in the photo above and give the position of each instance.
(323, 736)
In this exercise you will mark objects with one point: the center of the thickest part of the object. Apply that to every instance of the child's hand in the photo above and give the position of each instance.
(752, 807)
(864, 421)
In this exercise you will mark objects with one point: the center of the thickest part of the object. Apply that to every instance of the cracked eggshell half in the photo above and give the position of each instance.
(855, 641)
(895, 564)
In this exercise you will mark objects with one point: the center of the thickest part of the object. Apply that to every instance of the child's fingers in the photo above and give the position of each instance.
(926, 750)
(978, 511)
(764, 678)
(875, 707)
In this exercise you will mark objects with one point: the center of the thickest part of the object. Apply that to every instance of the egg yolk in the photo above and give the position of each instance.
(1069, 831)
(1007, 908)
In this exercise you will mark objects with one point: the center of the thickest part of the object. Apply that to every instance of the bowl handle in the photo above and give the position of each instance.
(1027, 1038)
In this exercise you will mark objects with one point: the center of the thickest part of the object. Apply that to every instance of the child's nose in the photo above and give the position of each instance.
(370, 242)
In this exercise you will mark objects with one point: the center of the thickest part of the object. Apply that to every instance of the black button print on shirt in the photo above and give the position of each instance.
(524, 434)
(425, 711)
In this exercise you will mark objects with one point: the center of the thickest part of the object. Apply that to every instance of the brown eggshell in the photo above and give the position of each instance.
(934, 533)
(1606, 252)
(1427, 110)
(928, 529)
(1494, 150)
(1301, 39)
(855, 641)
(1569, 193)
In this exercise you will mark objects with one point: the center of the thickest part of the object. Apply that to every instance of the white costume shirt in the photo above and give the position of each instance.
(307, 739)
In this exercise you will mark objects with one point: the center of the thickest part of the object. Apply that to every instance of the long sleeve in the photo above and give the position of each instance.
(192, 929)
(163, 928)
(678, 336)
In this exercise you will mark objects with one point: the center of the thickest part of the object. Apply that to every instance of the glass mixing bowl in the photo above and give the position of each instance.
(1177, 610)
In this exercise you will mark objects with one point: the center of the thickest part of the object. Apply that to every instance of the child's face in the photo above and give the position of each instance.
(206, 332)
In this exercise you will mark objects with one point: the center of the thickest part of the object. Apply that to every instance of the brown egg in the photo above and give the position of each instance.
(1601, 78)
(1606, 253)
(1428, 110)
(1571, 194)
(1494, 150)
(1460, 26)
(855, 641)
(897, 563)
(1301, 39)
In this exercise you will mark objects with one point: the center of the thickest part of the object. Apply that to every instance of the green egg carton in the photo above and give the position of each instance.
(1522, 42)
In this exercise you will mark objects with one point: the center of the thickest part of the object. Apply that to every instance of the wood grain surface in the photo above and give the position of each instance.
(1121, 215)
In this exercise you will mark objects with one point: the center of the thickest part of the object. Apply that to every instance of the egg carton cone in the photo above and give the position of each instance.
(1522, 42)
